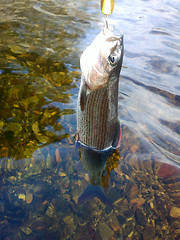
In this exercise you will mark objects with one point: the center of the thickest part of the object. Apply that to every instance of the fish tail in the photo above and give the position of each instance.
(95, 191)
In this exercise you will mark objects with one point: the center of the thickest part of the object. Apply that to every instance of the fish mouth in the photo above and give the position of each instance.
(101, 58)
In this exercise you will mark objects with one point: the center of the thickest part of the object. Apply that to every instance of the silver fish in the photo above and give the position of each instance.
(97, 109)
(98, 127)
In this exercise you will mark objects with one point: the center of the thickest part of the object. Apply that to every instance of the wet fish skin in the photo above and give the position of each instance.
(93, 162)
(98, 126)
(97, 109)
(94, 191)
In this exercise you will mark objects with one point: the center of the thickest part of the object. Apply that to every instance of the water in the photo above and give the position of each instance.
(41, 43)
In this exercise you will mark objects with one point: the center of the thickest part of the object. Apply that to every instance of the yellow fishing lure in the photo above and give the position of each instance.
(107, 6)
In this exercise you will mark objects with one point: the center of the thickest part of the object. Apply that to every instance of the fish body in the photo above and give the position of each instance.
(97, 109)
(98, 127)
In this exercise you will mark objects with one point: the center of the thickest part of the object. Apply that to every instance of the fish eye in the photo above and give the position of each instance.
(113, 60)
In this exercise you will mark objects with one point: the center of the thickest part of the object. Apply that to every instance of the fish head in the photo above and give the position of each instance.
(101, 58)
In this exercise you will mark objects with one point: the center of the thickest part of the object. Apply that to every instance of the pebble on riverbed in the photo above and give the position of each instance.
(175, 212)
(149, 233)
(105, 231)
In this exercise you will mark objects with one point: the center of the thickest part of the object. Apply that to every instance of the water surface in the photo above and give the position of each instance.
(40, 47)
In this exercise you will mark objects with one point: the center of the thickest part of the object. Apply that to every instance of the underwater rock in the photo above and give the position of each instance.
(121, 219)
(26, 230)
(29, 197)
(15, 215)
(175, 212)
(128, 228)
(50, 211)
(166, 170)
(140, 218)
(149, 233)
(75, 195)
(69, 220)
(70, 170)
(155, 187)
(14, 127)
(17, 49)
(61, 174)
(133, 191)
(138, 201)
(114, 224)
(69, 224)
(134, 148)
(127, 212)
(83, 232)
(115, 227)
(39, 225)
(105, 231)
(49, 161)
(22, 196)
(57, 156)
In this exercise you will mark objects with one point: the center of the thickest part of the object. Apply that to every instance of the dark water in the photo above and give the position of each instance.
(40, 47)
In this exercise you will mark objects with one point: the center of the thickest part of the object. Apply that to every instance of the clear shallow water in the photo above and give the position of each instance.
(41, 43)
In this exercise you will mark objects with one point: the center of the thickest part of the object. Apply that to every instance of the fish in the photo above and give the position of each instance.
(98, 165)
(98, 125)
(93, 162)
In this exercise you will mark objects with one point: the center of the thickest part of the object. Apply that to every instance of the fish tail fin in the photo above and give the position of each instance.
(95, 191)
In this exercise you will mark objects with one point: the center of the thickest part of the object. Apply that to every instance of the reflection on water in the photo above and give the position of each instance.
(40, 183)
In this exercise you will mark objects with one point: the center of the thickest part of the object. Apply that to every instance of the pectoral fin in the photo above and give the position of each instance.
(117, 135)
(83, 97)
